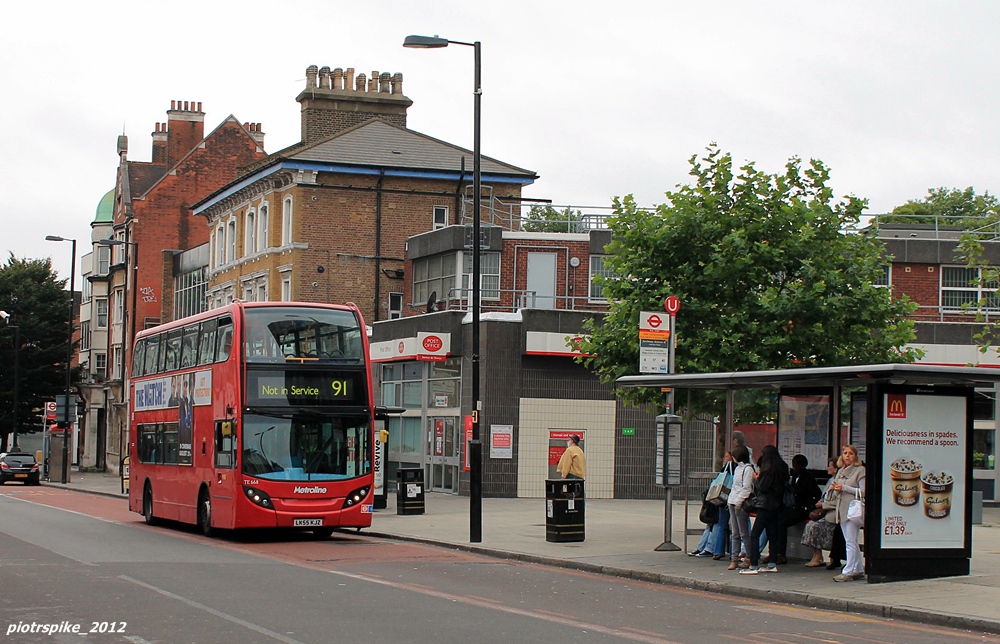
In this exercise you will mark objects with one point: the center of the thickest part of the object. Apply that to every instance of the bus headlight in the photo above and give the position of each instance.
(355, 497)
(258, 497)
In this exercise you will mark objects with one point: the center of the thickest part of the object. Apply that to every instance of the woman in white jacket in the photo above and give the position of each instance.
(739, 520)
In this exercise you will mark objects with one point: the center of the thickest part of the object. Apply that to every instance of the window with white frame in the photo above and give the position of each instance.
(248, 293)
(286, 221)
(885, 279)
(598, 268)
(116, 363)
(101, 305)
(103, 259)
(85, 335)
(489, 276)
(440, 217)
(220, 246)
(963, 288)
(433, 275)
(286, 288)
(262, 224)
(88, 290)
(250, 234)
(395, 306)
(231, 241)
(261, 292)
(119, 307)
(101, 365)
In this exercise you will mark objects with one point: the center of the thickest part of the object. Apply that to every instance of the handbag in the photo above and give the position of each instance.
(718, 491)
(709, 514)
(856, 509)
(817, 514)
(788, 496)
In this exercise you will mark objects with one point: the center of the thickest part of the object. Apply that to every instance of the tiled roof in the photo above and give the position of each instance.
(381, 144)
(142, 176)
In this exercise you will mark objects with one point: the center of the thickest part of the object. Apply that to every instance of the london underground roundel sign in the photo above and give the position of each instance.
(432, 343)
(672, 305)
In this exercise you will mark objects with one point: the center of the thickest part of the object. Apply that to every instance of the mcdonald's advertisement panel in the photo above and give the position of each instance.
(923, 473)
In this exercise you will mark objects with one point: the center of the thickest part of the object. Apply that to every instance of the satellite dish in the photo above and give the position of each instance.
(432, 301)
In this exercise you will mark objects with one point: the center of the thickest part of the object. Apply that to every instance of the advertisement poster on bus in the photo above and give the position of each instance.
(923, 465)
(557, 445)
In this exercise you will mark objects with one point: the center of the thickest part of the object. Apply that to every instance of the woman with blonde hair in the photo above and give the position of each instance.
(849, 484)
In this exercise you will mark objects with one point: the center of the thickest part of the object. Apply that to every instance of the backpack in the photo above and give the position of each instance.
(788, 496)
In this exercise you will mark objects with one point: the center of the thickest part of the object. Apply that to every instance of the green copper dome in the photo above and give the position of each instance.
(106, 209)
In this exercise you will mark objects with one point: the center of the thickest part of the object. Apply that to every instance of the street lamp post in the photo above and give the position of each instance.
(67, 432)
(17, 374)
(475, 445)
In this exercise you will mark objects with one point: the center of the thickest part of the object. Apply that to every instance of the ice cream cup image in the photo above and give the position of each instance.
(905, 477)
(937, 488)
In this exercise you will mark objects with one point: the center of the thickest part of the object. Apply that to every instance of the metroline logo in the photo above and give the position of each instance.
(310, 490)
(895, 406)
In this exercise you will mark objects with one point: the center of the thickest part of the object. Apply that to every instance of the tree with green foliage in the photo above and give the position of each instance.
(948, 207)
(37, 305)
(546, 219)
(766, 274)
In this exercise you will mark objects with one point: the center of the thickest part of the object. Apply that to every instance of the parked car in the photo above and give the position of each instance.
(19, 467)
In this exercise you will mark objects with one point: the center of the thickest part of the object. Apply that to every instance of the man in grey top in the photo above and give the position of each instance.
(740, 439)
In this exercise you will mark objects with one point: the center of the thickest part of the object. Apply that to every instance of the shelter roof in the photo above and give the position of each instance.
(853, 376)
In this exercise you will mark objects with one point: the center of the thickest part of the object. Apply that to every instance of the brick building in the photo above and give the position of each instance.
(327, 219)
(150, 214)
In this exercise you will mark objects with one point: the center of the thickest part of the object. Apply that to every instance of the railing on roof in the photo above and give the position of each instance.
(932, 226)
(512, 214)
(955, 314)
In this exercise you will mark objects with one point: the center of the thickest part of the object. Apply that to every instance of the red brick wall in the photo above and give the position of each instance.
(921, 282)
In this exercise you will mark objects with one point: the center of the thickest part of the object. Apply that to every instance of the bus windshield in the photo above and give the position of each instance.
(305, 446)
(281, 334)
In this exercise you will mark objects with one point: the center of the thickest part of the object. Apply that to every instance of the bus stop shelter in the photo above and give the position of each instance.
(913, 425)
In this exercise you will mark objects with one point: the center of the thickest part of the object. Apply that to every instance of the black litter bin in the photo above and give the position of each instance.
(410, 491)
(564, 510)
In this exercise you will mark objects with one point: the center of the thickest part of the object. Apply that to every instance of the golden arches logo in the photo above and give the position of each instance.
(896, 406)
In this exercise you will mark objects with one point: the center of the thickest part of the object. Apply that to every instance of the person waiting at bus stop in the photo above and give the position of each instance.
(573, 463)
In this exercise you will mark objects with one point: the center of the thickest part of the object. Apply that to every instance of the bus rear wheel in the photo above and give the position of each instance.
(205, 514)
(147, 505)
(322, 533)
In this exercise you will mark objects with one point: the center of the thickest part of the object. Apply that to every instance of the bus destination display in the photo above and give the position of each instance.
(270, 388)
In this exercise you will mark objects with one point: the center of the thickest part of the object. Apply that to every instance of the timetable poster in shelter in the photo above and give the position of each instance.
(557, 445)
(923, 471)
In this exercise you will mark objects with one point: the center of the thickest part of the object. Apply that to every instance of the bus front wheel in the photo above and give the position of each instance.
(205, 514)
(147, 505)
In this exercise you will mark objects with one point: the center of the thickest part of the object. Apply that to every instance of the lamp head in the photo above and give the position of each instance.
(54, 238)
(110, 242)
(4, 315)
(425, 42)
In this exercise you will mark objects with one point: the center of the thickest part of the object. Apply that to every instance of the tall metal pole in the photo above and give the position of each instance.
(67, 431)
(476, 446)
(17, 380)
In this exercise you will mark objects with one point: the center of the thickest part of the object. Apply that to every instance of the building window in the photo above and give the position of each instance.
(440, 217)
(433, 275)
(395, 306)
(220, 246)
(116, 363)
(231, 241)
(250, 234)
(963, 288)
(489, 276)
(119, 307)
(101, 365)
(102, 313)
(189, 293)
(262, 224)
(286, 221)
(286, 288)
(262, 292)
(85, 335)
(88, 290)
(885, 279)
(598, 267)
(103, 260)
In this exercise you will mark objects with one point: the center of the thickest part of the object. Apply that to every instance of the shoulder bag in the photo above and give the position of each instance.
(856, 509)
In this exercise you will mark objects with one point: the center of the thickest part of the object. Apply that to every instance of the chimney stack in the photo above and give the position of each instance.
(160, 144)
(256, 132)
(185, 128)
(336, 100)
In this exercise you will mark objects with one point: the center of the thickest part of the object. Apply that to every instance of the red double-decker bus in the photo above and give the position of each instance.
(254, 415)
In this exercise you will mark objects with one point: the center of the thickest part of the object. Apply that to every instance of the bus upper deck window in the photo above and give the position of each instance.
(225, 339)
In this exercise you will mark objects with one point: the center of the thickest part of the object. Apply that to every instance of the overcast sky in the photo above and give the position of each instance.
(600, 99)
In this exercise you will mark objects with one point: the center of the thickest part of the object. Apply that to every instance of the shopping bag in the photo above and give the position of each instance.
(856, 509)
(718, 491)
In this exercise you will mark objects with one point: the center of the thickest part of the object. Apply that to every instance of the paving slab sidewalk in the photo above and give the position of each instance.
(621, 537)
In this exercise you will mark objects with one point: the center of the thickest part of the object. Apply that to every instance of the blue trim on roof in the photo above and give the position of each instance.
(450, 175)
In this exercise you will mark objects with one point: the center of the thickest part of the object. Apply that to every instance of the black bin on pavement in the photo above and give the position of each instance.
(410, 491)
(564, 510)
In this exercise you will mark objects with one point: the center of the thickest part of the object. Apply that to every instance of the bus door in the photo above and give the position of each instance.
(443, 453)
(227, 481)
